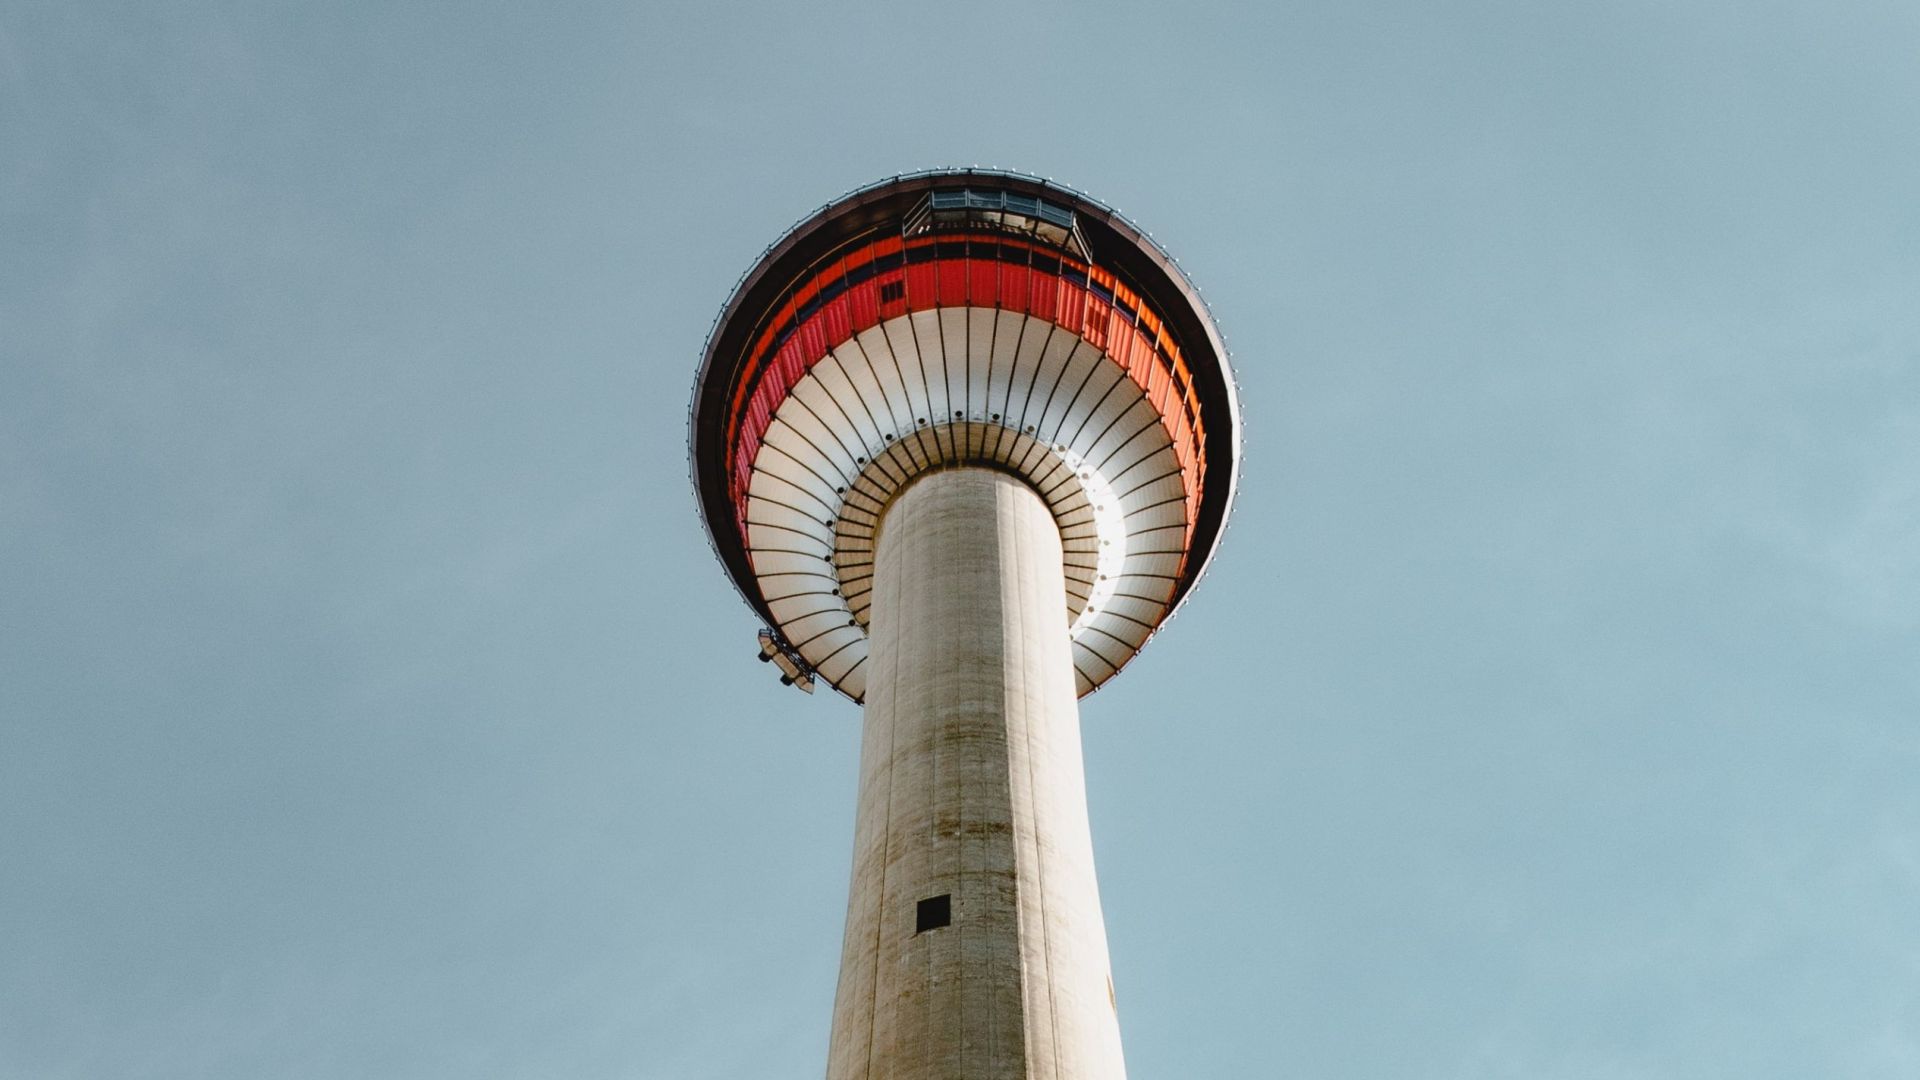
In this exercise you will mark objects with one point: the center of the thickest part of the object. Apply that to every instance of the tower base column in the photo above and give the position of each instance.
(975, 946)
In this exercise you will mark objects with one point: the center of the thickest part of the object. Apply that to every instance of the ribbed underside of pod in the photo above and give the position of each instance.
(1040, 402)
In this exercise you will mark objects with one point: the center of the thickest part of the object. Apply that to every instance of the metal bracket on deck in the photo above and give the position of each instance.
(794, 670)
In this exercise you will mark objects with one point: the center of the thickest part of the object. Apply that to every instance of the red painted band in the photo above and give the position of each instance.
(1141, 347)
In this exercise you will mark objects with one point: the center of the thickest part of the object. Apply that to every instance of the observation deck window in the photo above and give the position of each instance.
(1002, 210)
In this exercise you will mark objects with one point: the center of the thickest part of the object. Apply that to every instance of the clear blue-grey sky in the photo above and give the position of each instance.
(372, 707)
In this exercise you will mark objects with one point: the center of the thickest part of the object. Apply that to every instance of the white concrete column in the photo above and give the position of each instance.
(972, 787)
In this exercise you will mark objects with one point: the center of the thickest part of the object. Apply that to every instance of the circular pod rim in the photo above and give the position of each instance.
(950, 318)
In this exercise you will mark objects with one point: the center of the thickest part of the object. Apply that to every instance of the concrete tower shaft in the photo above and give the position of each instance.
(975, 945)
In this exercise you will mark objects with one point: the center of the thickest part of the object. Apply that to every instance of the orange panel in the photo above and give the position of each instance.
(950, 276)
(1013, 286)
(1141, 362)
(983, 285)
(1070, 309)
(1093, 320)
(1139, 358)
(813, 341)
(836, 319)
(864, 306)
(1159, 389)
(921, 291)
(1043, 296)
(789, 365)
(766, 398)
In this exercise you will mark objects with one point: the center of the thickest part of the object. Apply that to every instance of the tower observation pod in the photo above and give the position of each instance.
(963, 440)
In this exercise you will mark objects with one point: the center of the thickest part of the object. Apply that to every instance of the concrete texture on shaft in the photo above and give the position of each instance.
(971, 786)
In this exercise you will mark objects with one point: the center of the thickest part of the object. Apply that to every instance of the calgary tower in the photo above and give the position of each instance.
(964, 440)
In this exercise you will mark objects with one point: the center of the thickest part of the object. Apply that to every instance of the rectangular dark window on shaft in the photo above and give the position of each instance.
(893, 290)
(935, 912)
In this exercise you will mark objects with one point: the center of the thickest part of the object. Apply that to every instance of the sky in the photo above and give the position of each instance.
(372, 705)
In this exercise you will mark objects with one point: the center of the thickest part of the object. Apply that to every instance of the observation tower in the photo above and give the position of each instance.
(964, 439)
